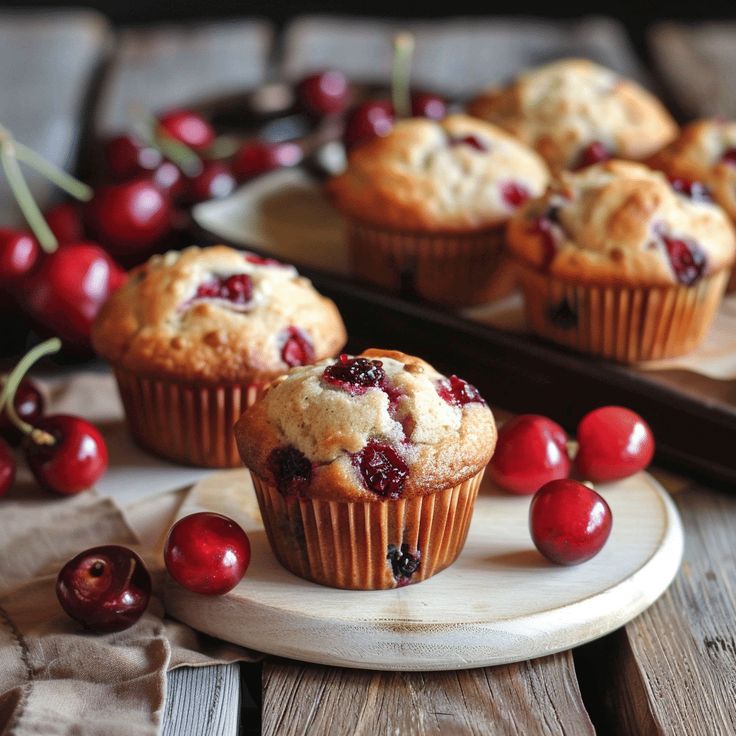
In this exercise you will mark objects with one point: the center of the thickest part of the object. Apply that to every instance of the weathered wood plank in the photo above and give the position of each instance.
(537, 697)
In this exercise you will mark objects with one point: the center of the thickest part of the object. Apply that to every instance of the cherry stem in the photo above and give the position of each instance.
(70, 184)
(12, 381)
(401, 74)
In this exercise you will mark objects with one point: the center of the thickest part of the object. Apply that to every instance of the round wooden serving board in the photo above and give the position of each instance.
(500, 602)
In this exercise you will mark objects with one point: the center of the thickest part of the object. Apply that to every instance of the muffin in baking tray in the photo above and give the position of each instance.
(575, 113)
(193, 337)
(617, 263)
(427, 205)
(702, 161)
(367, 468)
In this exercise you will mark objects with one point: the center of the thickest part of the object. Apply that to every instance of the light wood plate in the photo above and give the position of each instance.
(500, 602)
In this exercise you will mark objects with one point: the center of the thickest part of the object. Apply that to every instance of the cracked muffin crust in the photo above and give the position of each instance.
(216, 315)
(574, 112)
(379, 426)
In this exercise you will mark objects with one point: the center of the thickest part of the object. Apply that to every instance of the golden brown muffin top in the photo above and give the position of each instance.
(572, 111)
(621, 223)
(216, 314)
(381, 426)
(455, 175)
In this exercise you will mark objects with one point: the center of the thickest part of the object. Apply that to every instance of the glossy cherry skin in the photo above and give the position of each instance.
(19, 252)
(569, 522)
(213, 182)
(7, 467)
(29, 406)
(126, 156)
(129, 217)
(104, 588)
(614, 443)
(207, 553)
(65, 293)
(169, 179)
(259, 157)
(426, 105)
(324, 93)
(65, 221)
(74, 462)
(367, 121)
(531, 450)
(188, 128)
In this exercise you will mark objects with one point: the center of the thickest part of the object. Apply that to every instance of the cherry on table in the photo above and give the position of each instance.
(188, 128)
(207, 553)
(7, 467)
(614, 442)
(427, 105)
(258, 157)
(127, 156)
(531, 450)
(169, 178)
(19, 252)
(214, 181)
(66, 454)
(569, 522)
(324, 93)
(65, 221)
(29, 405)
(104, 588)
(368, 120)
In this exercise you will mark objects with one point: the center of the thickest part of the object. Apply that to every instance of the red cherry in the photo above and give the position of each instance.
(324, 93)
(691, 189)
(259, 157)
(19, 252)
(531, 450)
(687, 258)
(74, 461)
(213, 182)
(127, 156)
(729, 157)
(188, 128)
(104, 588)
(458, 392)
(470, 140)
(67, 290)
(129, 217)
(65, 221)
(207, 553)
(169, 179)
(425, 105)
(237, 289)
(593, 153)
(614, 443)
(514, 193)
(355, 375)
(29, 406)
(569, 522)
(369, 120)
(297, 348)
(7, 468)
(382, 469)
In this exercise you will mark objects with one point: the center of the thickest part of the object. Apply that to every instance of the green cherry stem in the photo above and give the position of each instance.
(401, 74)
(77, 189)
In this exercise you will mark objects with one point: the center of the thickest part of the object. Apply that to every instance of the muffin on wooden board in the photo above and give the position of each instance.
(367, 468)
(574, 113)
(427, 205)
(194, 335)
(617, 263)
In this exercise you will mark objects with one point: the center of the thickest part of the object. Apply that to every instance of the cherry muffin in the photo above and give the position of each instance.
(701, 162)
(193, 337)
(618, 263)
(428, 202)
(367, 468)
(575, 113)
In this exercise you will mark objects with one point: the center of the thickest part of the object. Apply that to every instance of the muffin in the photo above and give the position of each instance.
(194, 335)
(575, 113)
(617, 263)
(427, 205)
(703, 158)
(367, 468)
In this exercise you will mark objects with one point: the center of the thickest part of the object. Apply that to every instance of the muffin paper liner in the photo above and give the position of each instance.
(188, 422)
(619, 323)
(453, 269)
(349, 544)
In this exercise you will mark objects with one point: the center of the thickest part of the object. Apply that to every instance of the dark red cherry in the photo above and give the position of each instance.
(569, 522)
(373, 119)
(259, 157)
(470, 140)
(19, 253)
(687, 258)
(29, 406)
(65, 221)
(104, 588)
(169, 179)
(213, 182)
(514, 193)
(262, 260)
(729, 157)
(355, 375)
(73, 460)
(594, 153)
(691, 189)
(126, 156)
(207, 553)
(382, 469)
(614, 443)
(129, 217)
(297, 348)
(531, 450)
(188, 128)
(237, 289)
(324, 93)
(458, 392)
(7, 467)
(426, 105)
(291, 470)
